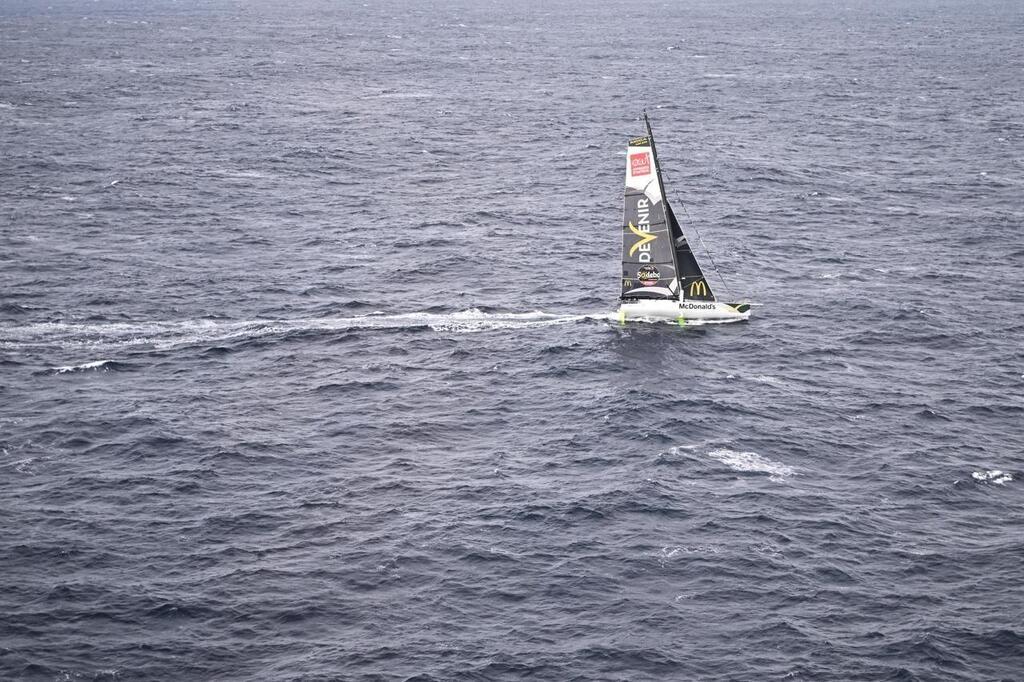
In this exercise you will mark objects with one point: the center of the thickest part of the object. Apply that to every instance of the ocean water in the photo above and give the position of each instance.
(307, 370)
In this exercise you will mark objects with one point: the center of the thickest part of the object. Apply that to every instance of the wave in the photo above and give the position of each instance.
(97, 365)
(20, 465)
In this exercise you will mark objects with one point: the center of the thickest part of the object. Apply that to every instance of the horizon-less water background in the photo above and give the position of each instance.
(307, 371)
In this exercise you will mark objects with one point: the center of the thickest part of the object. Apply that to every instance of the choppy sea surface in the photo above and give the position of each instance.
(307, 370)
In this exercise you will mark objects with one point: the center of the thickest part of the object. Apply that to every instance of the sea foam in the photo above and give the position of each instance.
(992, 476)
(752, 462)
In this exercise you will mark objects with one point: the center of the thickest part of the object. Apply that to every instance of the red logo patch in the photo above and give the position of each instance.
(640, 164)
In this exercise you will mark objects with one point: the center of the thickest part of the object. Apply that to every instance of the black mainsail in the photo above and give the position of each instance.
(648, 254)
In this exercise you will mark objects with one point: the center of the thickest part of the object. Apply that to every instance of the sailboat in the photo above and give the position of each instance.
(661, 278)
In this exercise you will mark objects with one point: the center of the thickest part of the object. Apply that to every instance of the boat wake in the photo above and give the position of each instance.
(166, 335)
(162, 335)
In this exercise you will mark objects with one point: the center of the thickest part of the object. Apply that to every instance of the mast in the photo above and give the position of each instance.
(654, 151)
(668, 209)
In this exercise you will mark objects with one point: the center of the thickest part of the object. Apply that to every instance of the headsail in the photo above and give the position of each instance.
(648, 255)
(692, 284)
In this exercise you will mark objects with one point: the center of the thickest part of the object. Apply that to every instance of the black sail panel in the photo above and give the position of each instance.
(692, 284)
(648, 255)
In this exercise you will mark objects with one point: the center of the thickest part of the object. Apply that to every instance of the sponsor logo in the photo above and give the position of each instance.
(640, 142)
(698, 288)
(627, 284)
(648, 275)
(640, 164)
(697, 306)
(644, 243)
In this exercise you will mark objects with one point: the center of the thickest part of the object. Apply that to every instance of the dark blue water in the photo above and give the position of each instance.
(306, 371)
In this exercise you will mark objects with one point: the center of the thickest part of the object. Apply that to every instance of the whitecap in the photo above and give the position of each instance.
(992, 476)
(753, 462)
(766, 379)
(674, 551)
(96, 364)
(671, 553)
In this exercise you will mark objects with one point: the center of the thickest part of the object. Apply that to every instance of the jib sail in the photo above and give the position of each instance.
(692, 284)
(648, 253)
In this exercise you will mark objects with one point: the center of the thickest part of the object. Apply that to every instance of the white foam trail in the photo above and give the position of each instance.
(992, 476)
(164, 335)
(751, 461)
(475, 320)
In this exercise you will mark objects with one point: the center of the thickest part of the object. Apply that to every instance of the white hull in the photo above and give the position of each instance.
(680, 311)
